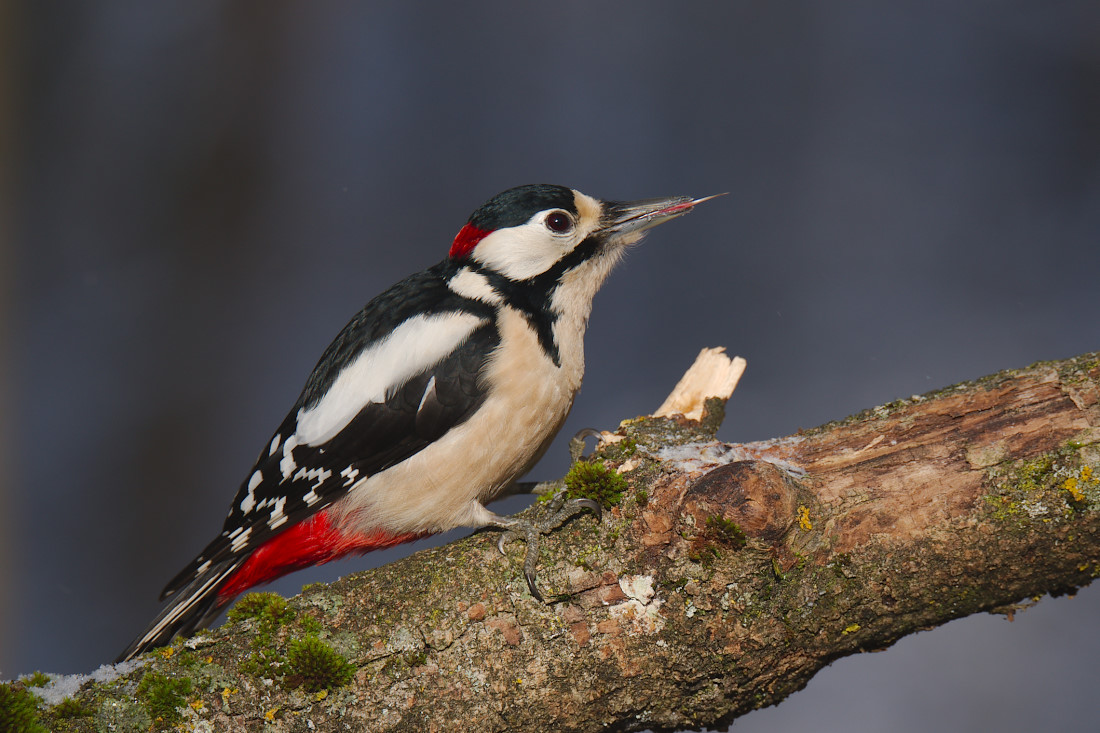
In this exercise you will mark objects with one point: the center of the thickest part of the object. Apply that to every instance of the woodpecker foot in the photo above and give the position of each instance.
(558, 512)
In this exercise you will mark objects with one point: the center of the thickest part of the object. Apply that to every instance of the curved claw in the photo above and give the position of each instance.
(592, 504)
(505, 537)
(532, 587)
(576, 443)
(586, 433)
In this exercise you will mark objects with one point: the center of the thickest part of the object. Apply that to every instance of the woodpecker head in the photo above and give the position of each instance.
(542, 229)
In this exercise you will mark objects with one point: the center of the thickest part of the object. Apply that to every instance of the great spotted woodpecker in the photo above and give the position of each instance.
(433, 400)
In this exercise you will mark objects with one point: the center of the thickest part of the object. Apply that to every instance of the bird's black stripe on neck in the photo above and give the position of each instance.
(532, 296)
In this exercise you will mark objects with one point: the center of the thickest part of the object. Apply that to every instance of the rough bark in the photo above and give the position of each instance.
(723, 580)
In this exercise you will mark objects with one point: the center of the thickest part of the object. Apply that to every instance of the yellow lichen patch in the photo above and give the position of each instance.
(167, 652)
(269, 716)
(1076, 485)
(226, 692)
(850, 629)
(804, 519)
(1070, 485)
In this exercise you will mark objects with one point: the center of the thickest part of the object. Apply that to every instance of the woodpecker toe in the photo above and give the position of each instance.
(538, 488)
(532, 587)
(505, 537)
(592, 504)
(559, 510)
(577, 443)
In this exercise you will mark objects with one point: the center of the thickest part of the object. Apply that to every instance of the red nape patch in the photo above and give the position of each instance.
(312, 542)
(466, 239)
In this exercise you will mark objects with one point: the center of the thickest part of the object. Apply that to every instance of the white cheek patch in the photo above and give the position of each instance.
(412, 348)
(522, 252)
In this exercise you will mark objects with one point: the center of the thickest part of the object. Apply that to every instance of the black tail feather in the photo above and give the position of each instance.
(193, 607)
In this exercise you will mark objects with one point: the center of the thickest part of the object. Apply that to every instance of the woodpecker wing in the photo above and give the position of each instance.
(402, 373)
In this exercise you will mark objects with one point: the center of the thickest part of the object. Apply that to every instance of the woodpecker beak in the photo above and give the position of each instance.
(626, 220)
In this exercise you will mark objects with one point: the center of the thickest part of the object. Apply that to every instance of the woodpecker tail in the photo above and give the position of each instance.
(198, 594)
(192, 607)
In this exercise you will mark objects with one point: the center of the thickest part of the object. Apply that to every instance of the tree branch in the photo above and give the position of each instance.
(724, 579)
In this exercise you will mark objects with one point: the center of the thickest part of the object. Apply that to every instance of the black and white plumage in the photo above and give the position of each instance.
(436, 397)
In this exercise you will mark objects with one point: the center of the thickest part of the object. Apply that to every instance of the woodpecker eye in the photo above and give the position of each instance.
(559, 222)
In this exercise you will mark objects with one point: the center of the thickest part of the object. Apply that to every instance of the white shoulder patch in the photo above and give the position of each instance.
(413, 347)
(474, 285)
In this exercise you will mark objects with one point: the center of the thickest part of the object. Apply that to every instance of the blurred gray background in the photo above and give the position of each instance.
(198, 195)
